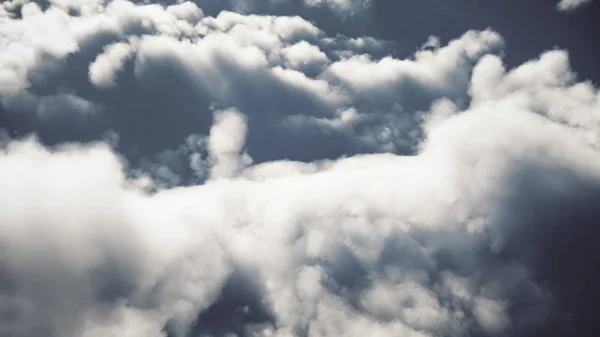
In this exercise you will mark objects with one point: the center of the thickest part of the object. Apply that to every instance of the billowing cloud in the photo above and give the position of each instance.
(148, 62)
(380, 243)
(165, 172)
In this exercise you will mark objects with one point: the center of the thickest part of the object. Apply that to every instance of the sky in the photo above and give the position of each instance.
(310, 168)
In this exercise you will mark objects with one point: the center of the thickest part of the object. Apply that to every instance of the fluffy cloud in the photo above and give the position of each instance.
(148, 62)
(73, 266)
(107, 65)
(248, 175)
(390, 244)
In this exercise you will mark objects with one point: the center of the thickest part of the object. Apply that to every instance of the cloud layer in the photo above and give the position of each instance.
(165, 172)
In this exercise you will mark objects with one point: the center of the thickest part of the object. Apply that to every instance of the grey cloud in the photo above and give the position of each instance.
(147, 71)
(340, 250)
(261, 91)
(448, 248)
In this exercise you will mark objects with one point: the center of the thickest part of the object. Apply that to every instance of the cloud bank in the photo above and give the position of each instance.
(168, 173)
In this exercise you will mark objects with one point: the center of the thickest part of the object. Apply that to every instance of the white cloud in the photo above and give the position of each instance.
(258, 63)
(434, 71)
(546, 86)
(225, 144)
(35, 42)
(85, 7)
(183, 238)
(570, 5)
(188, 11)
(303, 56)
(104, 69)
(434, 243)
(88, 250)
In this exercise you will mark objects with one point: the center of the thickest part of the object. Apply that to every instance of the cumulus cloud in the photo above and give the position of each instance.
(225, 143)
(283, 72)
(75, 272)
(107, 65)
(379, 243)
(569, 5)
(250, 175)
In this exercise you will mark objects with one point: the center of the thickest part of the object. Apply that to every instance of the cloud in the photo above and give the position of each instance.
(73, 272)
(225, 143)
(428, 231)
(106, 66)
(570, 5)
(283, 72)
(328, 248)
(344, 7)
(251, 175)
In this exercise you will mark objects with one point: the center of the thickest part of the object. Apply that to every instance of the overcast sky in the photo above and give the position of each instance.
(299, 168)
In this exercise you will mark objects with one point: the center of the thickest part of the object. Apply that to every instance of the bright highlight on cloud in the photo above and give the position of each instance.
(168, 173)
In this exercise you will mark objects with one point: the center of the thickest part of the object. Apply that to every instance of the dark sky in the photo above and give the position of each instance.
(528, 26)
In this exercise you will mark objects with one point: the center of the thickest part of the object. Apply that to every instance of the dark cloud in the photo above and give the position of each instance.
(551, 218)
